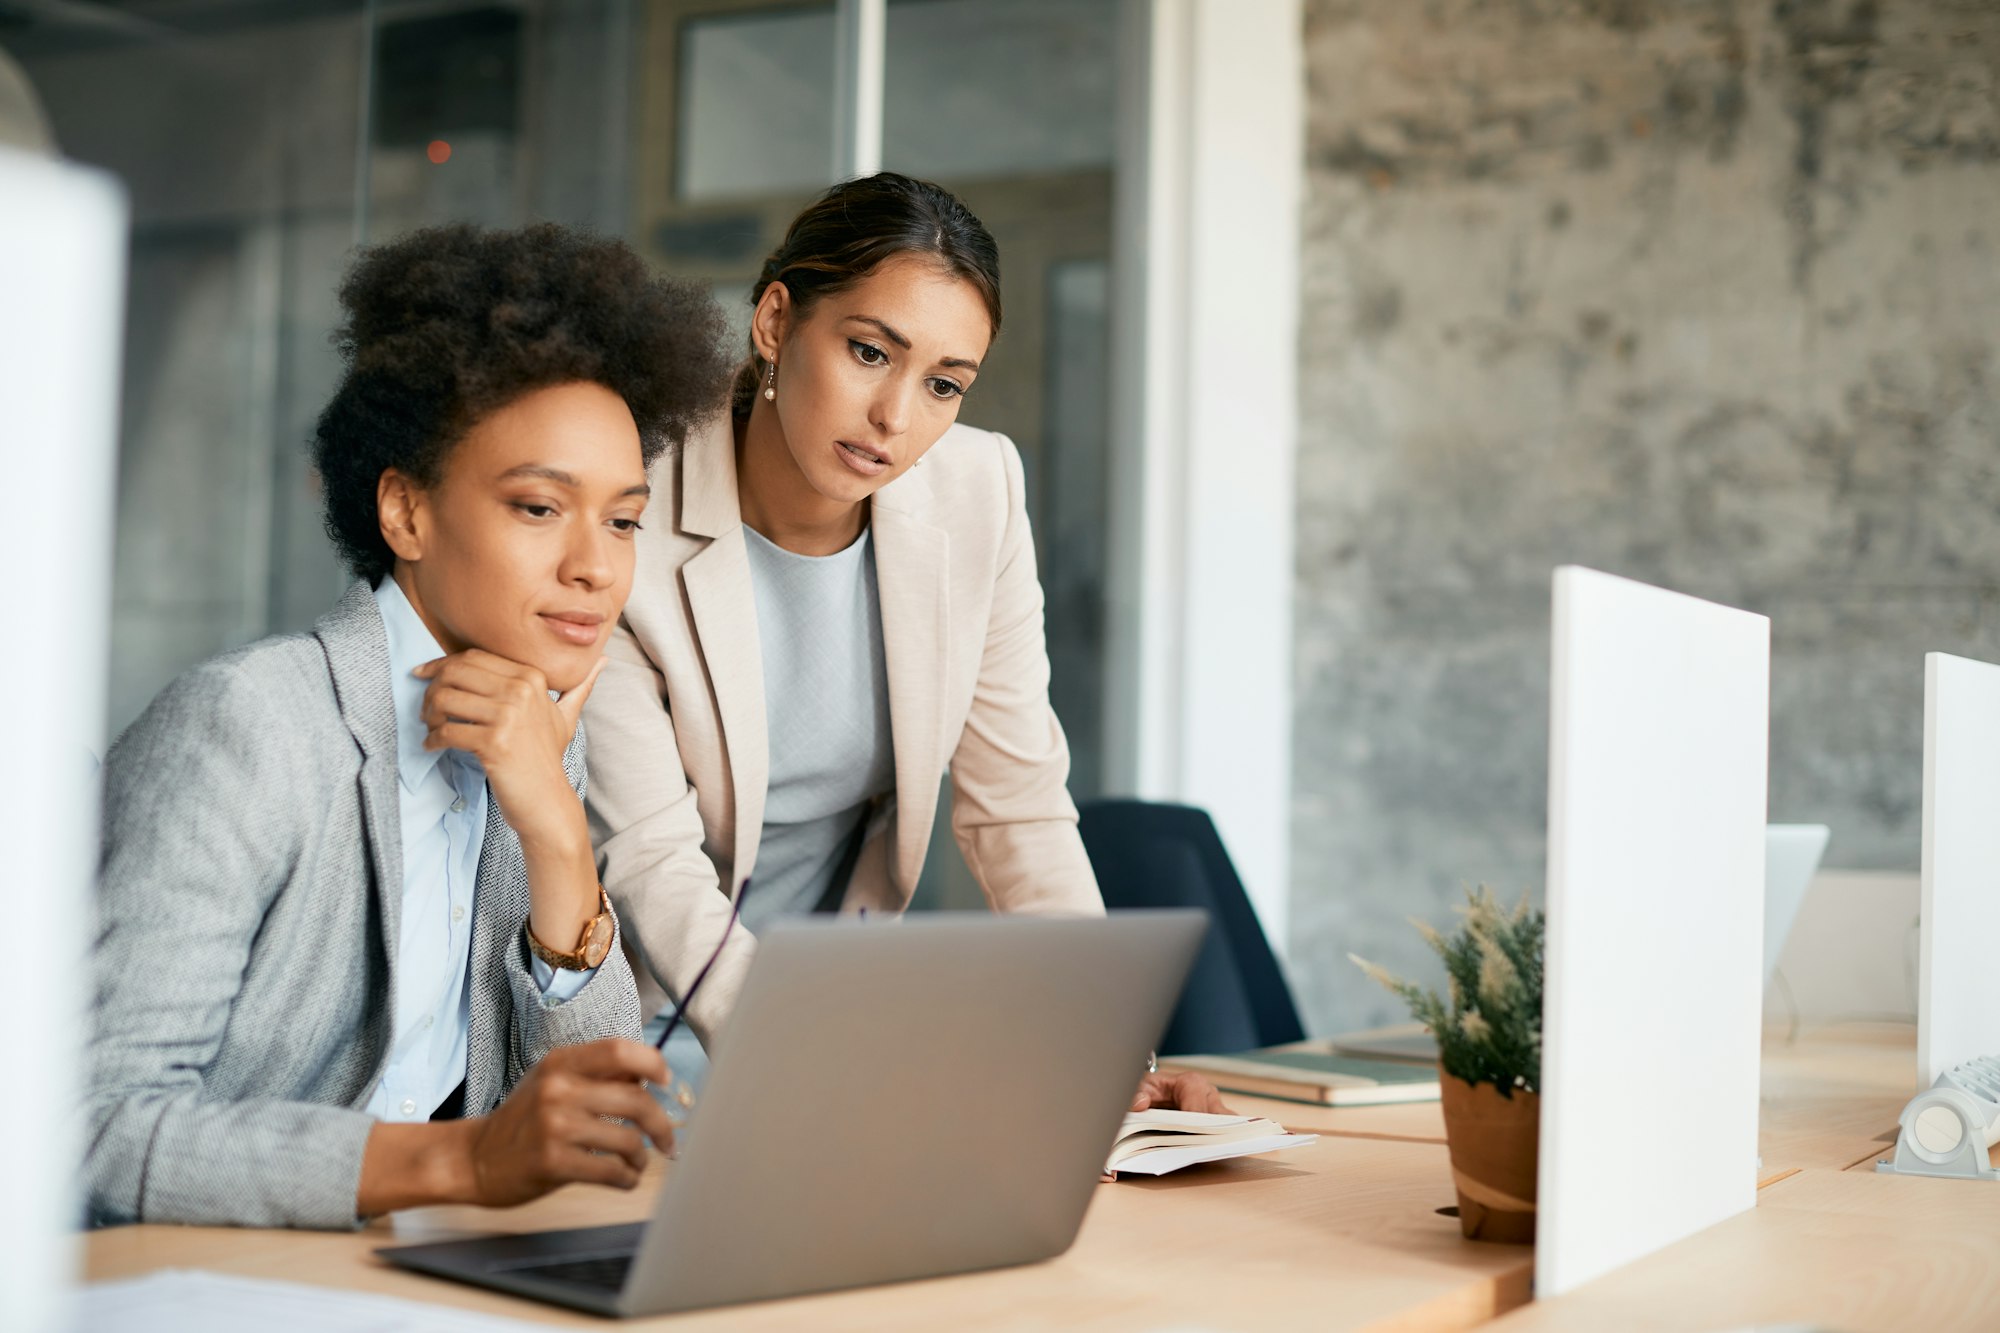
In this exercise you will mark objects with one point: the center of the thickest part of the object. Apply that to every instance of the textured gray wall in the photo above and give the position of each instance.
(1703, 293)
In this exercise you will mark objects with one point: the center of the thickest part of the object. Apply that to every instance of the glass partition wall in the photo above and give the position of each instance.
(262, 139)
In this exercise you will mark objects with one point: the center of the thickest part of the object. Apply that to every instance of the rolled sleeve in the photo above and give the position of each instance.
(558, 984)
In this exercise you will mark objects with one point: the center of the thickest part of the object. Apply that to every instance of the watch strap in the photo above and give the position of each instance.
(595, 940)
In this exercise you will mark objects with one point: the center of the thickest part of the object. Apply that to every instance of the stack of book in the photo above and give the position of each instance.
(1364, 1069)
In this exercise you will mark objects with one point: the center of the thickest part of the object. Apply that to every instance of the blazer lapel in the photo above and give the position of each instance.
(724, 607)
(357, 657)
(499, 905)
(912, 573)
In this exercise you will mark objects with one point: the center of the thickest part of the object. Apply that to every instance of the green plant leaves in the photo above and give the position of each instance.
(1490, 1029)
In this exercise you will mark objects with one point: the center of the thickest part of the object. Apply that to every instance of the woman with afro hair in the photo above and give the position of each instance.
(351, 951)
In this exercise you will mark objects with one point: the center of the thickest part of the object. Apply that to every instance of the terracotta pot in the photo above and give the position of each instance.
(1493, 1150)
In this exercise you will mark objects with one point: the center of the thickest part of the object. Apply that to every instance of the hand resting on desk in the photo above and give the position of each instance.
(1183, 1091)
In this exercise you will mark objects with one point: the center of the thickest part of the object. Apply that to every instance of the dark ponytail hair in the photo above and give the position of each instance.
(852, 228)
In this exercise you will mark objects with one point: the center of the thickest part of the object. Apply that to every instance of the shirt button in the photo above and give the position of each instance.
(458, 914)
(426, 1025)
(458, 806)
(409, 1106)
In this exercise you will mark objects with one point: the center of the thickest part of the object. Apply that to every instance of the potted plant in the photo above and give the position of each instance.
(1489, 1039)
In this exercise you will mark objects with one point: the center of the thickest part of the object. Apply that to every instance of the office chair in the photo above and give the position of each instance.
(1152, 855)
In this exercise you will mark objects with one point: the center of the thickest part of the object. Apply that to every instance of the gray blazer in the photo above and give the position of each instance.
(246, 918)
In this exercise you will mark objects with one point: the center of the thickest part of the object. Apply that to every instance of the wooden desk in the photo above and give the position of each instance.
(1343, 1234)
(1845, 1249)
(1830, 1242)
(1831, 1099)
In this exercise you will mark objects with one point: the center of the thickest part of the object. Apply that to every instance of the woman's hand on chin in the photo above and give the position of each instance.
(500, 711)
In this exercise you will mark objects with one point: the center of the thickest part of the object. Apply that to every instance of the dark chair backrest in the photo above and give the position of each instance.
(1153, 855)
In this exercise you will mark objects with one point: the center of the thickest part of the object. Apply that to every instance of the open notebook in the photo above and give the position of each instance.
(1153, 1143)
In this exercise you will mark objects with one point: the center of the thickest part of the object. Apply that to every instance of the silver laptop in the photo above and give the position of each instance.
(1791, 858)
(890, 1100)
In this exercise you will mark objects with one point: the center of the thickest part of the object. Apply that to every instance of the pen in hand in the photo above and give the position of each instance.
(678, 1091)
(735, 910)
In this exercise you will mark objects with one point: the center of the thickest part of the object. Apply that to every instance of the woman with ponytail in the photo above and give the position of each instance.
(836, 601)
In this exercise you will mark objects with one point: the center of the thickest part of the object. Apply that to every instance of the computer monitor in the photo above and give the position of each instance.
(1791, 858)
(1653, 985)
(62, 298)
(1958, 987)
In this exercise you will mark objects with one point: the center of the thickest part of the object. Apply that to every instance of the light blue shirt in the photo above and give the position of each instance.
(442, 801)
(826, 709)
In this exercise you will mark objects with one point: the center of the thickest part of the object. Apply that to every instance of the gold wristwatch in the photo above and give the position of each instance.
(591, 947)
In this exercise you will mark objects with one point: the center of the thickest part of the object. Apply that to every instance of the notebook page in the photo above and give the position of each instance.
(191, 1301)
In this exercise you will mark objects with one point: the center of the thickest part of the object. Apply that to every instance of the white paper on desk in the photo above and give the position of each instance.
(1159, 1161)
(188, 1301)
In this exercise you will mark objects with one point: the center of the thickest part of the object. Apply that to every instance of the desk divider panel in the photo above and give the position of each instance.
(1958, 987)
(1659, 723)
(62, 301)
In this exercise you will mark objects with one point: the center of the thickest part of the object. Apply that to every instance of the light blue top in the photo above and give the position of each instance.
(442, 802)
(826, 707)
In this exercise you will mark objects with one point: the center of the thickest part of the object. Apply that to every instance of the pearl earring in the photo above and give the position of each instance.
(771, 384)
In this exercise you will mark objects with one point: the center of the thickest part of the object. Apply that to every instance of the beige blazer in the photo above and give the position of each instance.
(679, 758)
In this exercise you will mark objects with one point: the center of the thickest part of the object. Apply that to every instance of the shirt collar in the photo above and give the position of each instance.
(411, 644)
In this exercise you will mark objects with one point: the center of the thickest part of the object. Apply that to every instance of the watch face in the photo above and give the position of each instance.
(598, 943)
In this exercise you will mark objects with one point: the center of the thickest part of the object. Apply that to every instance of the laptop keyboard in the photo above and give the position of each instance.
(605, 1273)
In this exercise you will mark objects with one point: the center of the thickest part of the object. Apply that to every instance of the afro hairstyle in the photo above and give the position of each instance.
(446, 325)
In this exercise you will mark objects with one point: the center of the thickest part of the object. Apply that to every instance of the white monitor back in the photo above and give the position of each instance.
(62, 297)
(1659, 721)
(1791, 857)
(1958, 984)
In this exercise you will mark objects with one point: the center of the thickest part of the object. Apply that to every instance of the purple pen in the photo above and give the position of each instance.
(735, 910)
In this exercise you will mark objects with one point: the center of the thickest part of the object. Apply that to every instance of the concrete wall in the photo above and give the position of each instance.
(1700, 292)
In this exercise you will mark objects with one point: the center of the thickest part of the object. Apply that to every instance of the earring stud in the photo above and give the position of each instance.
(771, 384)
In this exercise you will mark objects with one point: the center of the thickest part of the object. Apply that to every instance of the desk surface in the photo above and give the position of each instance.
(1846, 1250)
(1832, 1099)
(1831, 1242)
(1341, 1234)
